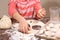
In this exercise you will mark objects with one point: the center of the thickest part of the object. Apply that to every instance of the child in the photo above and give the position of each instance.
(21, 9)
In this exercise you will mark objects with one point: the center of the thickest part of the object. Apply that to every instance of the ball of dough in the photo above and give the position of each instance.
(5, 22)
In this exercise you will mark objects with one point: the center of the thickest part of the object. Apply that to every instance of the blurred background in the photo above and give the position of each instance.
(45, 3)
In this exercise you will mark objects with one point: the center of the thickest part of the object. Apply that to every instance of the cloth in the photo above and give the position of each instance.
(26, 8)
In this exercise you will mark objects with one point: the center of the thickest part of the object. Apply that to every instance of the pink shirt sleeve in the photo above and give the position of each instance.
(12, 7)
(37, 6)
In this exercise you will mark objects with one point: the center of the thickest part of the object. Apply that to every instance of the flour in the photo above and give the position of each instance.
(16, 35)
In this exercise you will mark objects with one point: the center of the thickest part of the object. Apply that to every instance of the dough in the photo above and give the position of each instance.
(5, 22)
(33, 31)
(52, 30)
(35, 22)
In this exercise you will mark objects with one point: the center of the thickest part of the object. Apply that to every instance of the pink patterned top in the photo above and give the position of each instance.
(26, 8)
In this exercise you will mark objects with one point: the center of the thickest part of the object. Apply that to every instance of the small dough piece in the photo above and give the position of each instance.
(33, 31)
(5, 22)
(58, 34)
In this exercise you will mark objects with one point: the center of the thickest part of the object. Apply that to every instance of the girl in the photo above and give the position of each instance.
(21, 9)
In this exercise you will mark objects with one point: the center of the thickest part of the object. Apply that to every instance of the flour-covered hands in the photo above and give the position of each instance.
(23, 27)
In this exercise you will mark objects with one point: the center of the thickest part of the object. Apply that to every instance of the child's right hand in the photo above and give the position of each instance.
(23, 26)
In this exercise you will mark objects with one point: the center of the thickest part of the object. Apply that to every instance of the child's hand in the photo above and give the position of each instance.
(23, 26)
(41, 13)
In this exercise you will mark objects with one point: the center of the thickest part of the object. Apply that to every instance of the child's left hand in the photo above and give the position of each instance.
(41, 13)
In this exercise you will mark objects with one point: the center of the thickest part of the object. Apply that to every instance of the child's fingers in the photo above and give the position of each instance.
(42, 13)
(23, 30)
